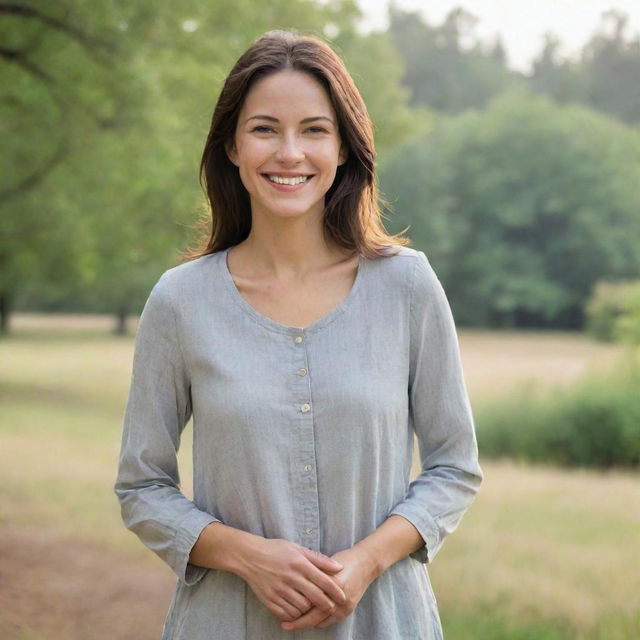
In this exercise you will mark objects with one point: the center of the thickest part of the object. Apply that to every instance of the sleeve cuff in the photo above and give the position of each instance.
(187, 534)
(426, 527)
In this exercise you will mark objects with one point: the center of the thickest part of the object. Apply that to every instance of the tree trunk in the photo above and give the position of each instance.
(121, 322)
(5, 304)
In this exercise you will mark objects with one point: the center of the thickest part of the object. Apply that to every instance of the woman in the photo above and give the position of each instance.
(309, 346)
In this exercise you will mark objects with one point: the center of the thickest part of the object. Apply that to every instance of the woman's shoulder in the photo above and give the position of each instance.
(400, 263)
(399, 254)
(410, 270)
(188, 276)
(185, 272)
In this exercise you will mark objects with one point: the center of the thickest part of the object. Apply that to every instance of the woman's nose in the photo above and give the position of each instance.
(290, 149)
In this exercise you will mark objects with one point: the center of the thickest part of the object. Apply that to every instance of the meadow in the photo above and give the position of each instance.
(543, 553)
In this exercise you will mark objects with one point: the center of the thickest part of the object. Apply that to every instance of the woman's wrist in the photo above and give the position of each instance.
(393, 540)
(224, 548)
(373, 563)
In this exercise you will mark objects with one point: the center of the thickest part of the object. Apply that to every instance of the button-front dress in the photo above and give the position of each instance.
(304, 434)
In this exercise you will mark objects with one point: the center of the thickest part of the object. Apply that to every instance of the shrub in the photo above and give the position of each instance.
(596, 423)
(613, 311)
(627, 325)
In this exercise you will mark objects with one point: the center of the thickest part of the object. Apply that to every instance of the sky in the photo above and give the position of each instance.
(521, 23)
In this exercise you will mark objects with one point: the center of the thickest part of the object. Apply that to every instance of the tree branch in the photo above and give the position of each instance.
(37, 176)
(87, 42)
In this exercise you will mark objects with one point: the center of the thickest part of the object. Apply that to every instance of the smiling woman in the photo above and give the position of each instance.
(309, 346)
(290, 155)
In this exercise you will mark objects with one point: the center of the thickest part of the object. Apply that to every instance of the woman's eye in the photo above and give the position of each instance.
(264, 129)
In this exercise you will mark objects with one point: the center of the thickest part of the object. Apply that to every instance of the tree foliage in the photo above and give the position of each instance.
(442, 73)
(522, 207)
(604, 76)
(106, 106)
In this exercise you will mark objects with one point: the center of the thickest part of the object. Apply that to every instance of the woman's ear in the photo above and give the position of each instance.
(343, 154)
(230, 148)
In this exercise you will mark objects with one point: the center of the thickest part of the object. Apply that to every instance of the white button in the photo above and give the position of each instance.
(298, 339)
(305, 407)
(309, 530)
(302, 372)
(307, 467)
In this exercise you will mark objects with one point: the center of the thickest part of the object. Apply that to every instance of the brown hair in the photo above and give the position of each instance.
(352, 215)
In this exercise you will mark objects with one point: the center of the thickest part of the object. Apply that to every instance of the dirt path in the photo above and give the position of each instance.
(54, 587)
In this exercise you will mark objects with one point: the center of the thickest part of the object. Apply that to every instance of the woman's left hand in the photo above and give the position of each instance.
(360, 570)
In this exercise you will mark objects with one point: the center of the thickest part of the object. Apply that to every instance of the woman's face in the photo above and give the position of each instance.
(286, 128)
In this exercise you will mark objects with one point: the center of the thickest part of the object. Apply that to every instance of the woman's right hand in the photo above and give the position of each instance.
(289, 579)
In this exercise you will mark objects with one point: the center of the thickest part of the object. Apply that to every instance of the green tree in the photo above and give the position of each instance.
(107, 106)
(65, 79)
(522, 207)
(564, 80)
(612, 67)
(441, 73)
(605, 76)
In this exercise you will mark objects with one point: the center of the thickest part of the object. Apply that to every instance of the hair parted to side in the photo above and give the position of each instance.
(352, 218)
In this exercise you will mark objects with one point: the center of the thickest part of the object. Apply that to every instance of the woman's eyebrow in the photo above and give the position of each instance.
(303, 121)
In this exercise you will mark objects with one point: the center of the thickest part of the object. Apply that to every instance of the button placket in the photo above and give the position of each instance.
(307, 483)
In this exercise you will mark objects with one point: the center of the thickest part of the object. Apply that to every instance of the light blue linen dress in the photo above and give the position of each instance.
(304, 434)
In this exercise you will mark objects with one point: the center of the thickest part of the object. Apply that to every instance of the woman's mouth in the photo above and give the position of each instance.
(287, 183)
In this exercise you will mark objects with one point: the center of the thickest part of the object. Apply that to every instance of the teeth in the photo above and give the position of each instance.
(280, 180)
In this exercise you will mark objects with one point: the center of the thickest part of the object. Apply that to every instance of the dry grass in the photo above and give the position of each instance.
(538, 543)
(495, 362)
(57, 323)
(545, 544)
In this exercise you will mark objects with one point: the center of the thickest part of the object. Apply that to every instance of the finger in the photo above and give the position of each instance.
(293, 613)
(279, 612)
(327, 584)
(327, 622)
(317, 596)
(323, 562)
(298, 600)
(308, 620)
(295, 599)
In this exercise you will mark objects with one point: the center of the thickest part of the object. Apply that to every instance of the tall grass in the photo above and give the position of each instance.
(594, 423)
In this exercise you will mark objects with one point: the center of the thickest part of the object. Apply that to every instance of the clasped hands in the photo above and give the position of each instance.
(305, 588)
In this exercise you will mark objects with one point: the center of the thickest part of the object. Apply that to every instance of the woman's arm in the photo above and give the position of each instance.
(158, 407)
(394, 539)
(440, 413)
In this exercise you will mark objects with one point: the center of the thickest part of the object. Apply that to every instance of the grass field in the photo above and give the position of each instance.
(543, 553)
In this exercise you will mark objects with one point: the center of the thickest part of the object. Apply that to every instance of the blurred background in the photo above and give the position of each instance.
(508, 139)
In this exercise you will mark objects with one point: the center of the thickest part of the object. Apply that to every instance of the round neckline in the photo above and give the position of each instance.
(269, 323)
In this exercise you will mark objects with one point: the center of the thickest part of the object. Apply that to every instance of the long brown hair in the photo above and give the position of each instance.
(352, 217)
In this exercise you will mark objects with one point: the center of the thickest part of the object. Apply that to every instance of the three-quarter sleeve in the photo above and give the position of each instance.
(441, 416)
(157, 410)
